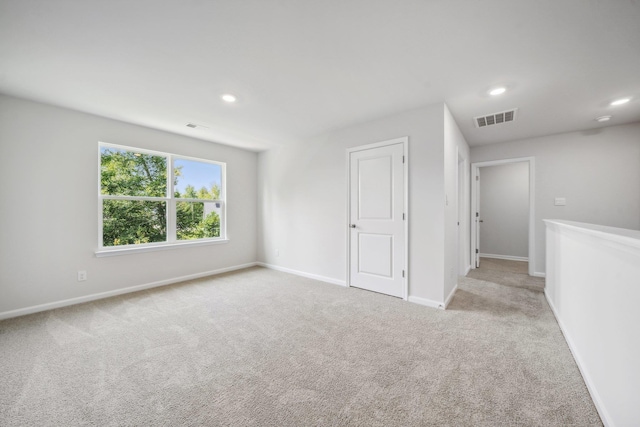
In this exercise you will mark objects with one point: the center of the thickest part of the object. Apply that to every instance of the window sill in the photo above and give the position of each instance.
(152, 248)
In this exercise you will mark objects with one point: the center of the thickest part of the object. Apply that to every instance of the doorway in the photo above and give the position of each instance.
(477, 214)
(377, 211)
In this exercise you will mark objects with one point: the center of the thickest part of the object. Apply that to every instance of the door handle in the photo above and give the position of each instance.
(482, 220)
(352, 225)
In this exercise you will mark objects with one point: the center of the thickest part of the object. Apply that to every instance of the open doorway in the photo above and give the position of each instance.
(502, 222)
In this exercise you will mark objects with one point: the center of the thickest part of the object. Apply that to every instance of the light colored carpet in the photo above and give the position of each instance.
(507, 273)
(264, 348)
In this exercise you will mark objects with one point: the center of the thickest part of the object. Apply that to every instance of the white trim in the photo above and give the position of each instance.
(532, 209)
(116, 292)
(151, 247)
(538, 274)
(450, 297)
(467, 270)
(405, 149)
(595, 396)
(507, 257)
(427, 302)
(303, 274)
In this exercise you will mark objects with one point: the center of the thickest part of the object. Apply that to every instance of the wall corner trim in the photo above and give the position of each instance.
(427, 302)
(450, 297)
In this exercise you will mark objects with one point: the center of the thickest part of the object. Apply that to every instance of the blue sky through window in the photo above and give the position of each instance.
(197, 174)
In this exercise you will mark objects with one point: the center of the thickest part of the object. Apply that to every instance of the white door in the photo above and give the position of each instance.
(377, 228)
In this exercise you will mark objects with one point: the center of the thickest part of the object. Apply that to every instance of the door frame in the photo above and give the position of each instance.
(474, 206)
(405, 145)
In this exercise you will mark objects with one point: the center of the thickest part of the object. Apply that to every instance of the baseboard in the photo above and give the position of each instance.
(467, 270)
(303, 274)
(539, 274)
(116, 292)
(426, 302)
(450, 297)
(595, 396)
(507, 257)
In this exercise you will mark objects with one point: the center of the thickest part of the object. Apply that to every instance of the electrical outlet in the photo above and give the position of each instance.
(82, 275)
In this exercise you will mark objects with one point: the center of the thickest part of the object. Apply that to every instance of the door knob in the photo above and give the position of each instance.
(352, 226)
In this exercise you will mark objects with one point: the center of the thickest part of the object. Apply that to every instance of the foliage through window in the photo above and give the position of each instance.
(151, 198)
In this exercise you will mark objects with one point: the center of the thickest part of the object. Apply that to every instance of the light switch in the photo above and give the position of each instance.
(560, 201)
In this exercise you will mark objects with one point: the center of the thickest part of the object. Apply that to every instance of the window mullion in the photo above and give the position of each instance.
(171, 204)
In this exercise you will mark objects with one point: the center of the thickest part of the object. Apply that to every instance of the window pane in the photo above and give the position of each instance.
(127, 173)
(197, 180)
(197, 220)
(129, 222)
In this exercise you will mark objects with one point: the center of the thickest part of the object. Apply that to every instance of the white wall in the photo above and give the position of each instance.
(597, 171)
(455, 147)
(592, 288)
(504, 210)
(49, 209)
(303, 195)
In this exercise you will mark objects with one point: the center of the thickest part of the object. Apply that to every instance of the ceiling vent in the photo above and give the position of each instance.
(196, 126)
(496, 118)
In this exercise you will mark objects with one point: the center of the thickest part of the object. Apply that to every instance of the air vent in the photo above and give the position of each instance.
(196, 126)
(496, 118)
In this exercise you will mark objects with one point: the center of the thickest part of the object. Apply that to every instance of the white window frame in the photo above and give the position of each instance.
(172, 241)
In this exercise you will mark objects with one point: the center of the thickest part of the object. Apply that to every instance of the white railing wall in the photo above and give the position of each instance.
(593, 288)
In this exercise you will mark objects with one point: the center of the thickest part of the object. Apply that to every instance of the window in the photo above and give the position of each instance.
(150, 199)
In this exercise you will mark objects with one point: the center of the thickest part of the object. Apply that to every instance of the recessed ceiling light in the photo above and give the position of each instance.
(603, 118)
(497, 91)
(228, 98)
(621, 101)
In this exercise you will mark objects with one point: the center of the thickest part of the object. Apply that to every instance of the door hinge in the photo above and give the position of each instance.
(477, 178)
(402, 273)
(477, 214)
(476, 251)
(403, 217)
(402, 159)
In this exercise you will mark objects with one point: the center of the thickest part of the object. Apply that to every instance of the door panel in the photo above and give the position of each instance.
(376, 254)
(377, 233)
(375, 190)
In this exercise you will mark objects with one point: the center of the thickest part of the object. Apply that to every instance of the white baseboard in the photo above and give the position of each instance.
(539, 274)
(595, 396)
(450, 297)
(467, 270)
(426, 302)
(507, 257)
(116, 292)
(303, 274)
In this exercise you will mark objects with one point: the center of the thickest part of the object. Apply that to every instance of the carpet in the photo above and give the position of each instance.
(259, 347)
(507, 273)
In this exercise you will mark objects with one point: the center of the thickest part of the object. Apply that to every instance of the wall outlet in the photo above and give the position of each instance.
(82, 275)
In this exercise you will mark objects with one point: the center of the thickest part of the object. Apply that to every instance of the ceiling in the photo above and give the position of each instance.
(300, 68)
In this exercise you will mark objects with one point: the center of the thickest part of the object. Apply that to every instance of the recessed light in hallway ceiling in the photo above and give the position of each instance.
(620, 101)
(497, 91)
(227, 97)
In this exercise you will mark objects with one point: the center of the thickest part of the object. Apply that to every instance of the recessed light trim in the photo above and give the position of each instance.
(620, 101)
(603, 119)
(497, 91)
(227, 97)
